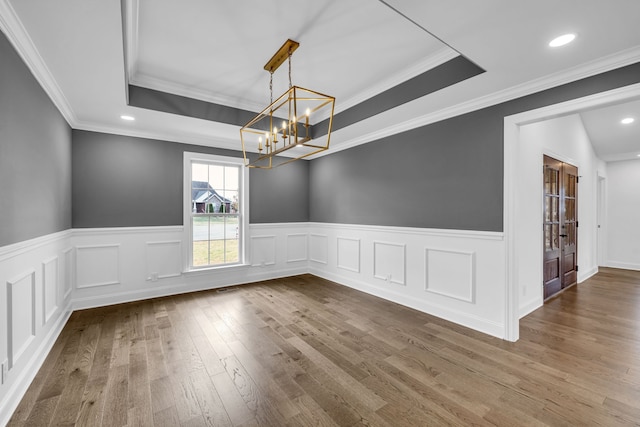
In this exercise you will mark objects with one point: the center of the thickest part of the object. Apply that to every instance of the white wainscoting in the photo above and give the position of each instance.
(33, 308)
(455, 275)
(125, 264)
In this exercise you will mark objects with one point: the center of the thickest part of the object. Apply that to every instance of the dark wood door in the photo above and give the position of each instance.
(560, 228)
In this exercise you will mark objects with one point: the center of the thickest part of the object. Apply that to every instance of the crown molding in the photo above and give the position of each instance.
(130, 9)
(206, 141)
(203, 141)
(602, 65)
(12, 27)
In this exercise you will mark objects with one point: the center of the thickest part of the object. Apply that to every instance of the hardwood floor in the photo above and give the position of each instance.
(303, 351)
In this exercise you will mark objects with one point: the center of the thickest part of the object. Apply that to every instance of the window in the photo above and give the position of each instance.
(215, 211)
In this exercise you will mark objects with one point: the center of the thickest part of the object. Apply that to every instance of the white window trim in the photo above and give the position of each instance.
(188, 159)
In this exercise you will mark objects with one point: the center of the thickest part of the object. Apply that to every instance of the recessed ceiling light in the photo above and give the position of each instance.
(128, 118)
(627, 121)
(562, 40)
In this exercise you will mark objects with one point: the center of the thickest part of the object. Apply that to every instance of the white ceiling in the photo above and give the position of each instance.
(84, 53)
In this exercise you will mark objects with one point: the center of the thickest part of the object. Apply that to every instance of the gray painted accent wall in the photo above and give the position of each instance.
(122, 181)
(446, 175)
(35, 155)
(280, 194)
(451, 72)
(175, 104)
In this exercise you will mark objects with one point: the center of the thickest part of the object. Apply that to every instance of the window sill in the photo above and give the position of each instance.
(205, 270)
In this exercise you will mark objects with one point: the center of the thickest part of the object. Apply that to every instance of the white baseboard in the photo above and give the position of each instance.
(203, 283)
(582, 276)
(530, 308)
(623, 265)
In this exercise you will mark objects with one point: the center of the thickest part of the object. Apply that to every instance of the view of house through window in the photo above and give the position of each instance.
(215, 214)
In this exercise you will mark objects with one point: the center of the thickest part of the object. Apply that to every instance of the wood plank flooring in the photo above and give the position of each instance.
(303, 351)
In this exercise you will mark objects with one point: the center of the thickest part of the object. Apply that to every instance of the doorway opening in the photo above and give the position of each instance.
(512, 192)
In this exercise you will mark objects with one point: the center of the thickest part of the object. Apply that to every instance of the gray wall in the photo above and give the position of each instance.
(446, 175)
(121, 181)
(35, 155)
(437, 176)
(280, 194)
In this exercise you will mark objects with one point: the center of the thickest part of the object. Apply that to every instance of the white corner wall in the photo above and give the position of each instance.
(565, 139)
(622, 213)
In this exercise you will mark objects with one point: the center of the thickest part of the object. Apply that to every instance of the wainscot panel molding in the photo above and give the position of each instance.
(297, 247)
(50, 288)
(97, 265)
(34, 309)
(67, 275)
(318, 248)
(450, 273)
(263, 250)
(389, 262)
(348, 252)
(21, 315)
(164, 259)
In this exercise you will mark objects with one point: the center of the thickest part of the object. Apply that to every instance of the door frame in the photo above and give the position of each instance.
(601, 219)
(510, 191)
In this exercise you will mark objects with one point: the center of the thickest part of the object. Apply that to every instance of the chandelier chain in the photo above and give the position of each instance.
(271, 87)
(290, 68)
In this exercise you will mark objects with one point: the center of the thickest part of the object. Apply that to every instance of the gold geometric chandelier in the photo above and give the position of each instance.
(294, 126)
